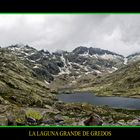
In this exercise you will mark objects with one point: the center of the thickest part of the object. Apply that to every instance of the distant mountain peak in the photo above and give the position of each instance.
(80, 50)
(92, 51)
(44, 51)
(19, 47)
(82, 60)
(133, 55)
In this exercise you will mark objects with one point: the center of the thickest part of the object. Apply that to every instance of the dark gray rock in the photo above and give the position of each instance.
(58, 118)
(80, 50)
(52, 68)
(31, 120)
(42, 73)
(93, 120)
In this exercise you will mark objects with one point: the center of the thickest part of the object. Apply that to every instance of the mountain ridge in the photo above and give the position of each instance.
(56, 63)
(27, 86)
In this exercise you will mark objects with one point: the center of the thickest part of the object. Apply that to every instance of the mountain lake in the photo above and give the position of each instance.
(87, 97)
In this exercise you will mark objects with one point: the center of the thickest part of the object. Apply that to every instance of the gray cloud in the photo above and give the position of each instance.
(118, 33)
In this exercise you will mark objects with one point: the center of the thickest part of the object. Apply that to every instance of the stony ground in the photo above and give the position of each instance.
(60, 113)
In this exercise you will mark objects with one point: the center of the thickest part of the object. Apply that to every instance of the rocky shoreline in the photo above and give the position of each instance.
(63, 114)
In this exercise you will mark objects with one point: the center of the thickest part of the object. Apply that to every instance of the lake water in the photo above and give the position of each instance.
(118, 102)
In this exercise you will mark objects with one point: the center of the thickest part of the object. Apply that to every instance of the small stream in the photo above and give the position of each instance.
(117, 102)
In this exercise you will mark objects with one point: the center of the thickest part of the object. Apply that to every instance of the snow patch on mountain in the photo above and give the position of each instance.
(63, 60)
(96, 56)
(64, 71)
(85, 54)
(97, 71)
(35, 67)
(108, 56)
(46, 82)
(125, 61)
(115, 68)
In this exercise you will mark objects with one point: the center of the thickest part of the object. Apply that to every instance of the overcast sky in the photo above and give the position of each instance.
(115, 32)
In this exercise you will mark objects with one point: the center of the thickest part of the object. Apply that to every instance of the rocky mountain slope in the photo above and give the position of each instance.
(15, 78)
(122, 82)
(62, 69)
(81, 62)
(62, 62)
(133, 57)
(28, 77)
